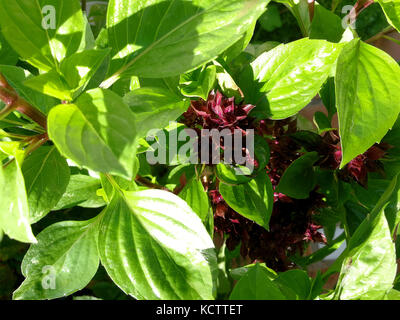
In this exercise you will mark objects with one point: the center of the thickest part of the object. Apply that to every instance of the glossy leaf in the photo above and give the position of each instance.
(256, 285)
(367, 82)
(174, 36)
(63, 261)
(196, 197)
(46, 175)
(237, 273)
(392, 11)
(89, 132)
(294, 284)
(370, 266)
(298, 179)
(81, 191)
(252, 200)
(52, 84)
(42, 34)
(233, 51)
(283, 80)
(14, 211)
(154, 108)
(75, 73)
(171, 255)
(231, 174)
(325, 25)
(198, 83)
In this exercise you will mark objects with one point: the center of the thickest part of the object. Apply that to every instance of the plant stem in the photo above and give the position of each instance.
(311, 7)
(36, 142)
(15, 103)
(392, 39)
(145, 182)
(380, 34)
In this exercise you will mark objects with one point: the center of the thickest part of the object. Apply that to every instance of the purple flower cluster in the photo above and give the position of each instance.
(292, 221)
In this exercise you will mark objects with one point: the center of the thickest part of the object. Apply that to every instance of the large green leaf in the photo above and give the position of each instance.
(283, 81)
(97, 132)
(256, 284)
(392, 11)
(369, 268)
(75, 73)
(367, 94)
(14, 211)
(154, 108)
(154, 246)
(63, 261)
(174, 36)
(298, 179)
(252, 200)
(46, 175)
(81, 191)
(26, 25)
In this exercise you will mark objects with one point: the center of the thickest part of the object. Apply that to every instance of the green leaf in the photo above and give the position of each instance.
(14, 211)
(196, 197)
(391, 8)
(7, 54)
(238, 273)
(298, 179)
(154, 108)
(16, 77)
(81, 191)
(46, 175)
(271, 19)
(225, 81)
(97, 132)
(322, 122)
(27, 26)
(283, 80)
(294, 284)
(198, 83)
(80, 67)
(75, 73)
(230, 174)
(233, 51)
(253, 200)
(171, 255)
(370, 265)
(326, 25)
(52, 84)
(63, 261)
(380, 192)
(256, 285)
(393, 294)
(327, 94)
(367, 82)
(174, 36)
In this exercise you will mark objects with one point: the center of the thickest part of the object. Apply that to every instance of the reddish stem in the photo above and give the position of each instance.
(145, 182)
(311, 6)
(15, 103)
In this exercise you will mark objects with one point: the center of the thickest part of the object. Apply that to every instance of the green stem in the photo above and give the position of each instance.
(392, 39)
(380, 34)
